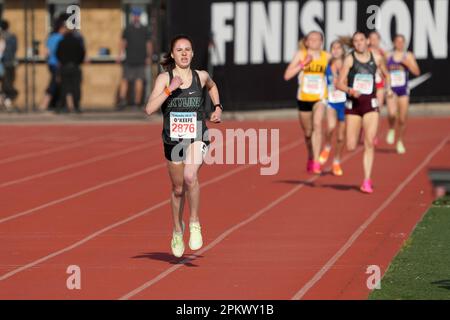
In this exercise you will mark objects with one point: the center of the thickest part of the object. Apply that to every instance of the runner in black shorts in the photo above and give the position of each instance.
(179, 94)
(357, 79)
(309, 65)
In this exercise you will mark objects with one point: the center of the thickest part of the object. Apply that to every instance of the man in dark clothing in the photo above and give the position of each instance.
(136, 46)
(70, 54)
(9, 63)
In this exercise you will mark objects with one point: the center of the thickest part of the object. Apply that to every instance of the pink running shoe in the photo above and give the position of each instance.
(309, 165)
(367, 186)
(316, 167)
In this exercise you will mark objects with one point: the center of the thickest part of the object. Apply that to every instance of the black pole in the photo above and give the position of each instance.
(26, 55)
(33, 62)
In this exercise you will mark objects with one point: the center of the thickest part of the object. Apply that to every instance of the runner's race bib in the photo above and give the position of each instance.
(398, 78)
(363, 83)
(312, 84)
(183, 125)
(374, 103)
(349, 105)
(336, 96)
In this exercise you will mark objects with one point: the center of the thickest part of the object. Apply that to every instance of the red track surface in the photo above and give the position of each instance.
(97, 197)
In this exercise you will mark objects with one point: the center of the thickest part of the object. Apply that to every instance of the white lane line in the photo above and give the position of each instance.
(133, 217)
(79, 164)
(225, 234)
(82, 192)
(363, 227)
(56, 149)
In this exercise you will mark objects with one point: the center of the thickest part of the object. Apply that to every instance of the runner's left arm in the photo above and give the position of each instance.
(411, 63)
(213, 92)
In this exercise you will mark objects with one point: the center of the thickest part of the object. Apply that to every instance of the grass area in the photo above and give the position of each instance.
(421, 270)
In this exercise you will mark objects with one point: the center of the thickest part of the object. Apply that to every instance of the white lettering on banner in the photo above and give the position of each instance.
(334, 25)
(432, 31)
(223, 33)
(311, 11)
(398, 10)
(290, 33)
(241, 34)
(268, 32)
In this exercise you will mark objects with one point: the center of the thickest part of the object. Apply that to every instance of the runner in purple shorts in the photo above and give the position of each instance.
(400, 63)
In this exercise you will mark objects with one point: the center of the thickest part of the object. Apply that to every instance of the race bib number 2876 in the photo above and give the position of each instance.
(183, 125)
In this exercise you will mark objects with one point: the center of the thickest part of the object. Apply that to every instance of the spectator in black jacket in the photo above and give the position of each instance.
(9, 63)
(70, 54)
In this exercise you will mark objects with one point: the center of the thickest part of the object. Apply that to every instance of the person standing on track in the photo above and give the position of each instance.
(357, 79)
(309, 64)
(336, 109)
(400, 63)
(179, 93)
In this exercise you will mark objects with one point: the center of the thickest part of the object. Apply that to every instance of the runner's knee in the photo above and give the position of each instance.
(368, 143)
(178, 190)
(317, 125)
(190, 178)
(351, 145)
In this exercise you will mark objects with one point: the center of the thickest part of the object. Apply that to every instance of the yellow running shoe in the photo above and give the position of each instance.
(195, 240)
(337, 170)
(177, 244)
(390, 138)
(324, 155)
(400, 147)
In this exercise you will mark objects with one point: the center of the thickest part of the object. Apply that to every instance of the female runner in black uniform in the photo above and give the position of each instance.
(357, 79)
(179, 94)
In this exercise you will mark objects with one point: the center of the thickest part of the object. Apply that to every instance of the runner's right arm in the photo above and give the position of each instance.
(295, 66)
(161, 92)
(342, 81)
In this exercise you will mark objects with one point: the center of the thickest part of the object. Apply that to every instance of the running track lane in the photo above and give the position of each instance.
(43, 160)
(32, 149)
(380, 241)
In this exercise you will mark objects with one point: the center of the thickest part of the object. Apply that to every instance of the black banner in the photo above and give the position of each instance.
(251, 42)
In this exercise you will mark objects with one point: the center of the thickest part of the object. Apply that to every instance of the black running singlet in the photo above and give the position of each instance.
(361, 76)
(184, 114)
